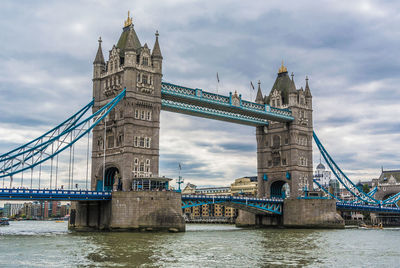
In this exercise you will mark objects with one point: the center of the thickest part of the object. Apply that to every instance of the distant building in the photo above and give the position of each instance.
(322, 176)
(11, 210)
(246, 186)
(210, 211)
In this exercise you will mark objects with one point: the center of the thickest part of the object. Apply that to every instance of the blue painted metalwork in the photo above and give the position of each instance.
(33, 156)
(198, 102)
(57, 195)
(370, 208)
(342, 178)
(191, 109)
(273, 205)
(64, 126)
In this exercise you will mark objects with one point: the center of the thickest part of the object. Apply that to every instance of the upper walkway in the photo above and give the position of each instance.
(225, 108)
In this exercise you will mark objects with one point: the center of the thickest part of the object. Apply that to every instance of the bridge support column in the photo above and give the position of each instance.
(130, 211)
(311, 213)
(248, 219)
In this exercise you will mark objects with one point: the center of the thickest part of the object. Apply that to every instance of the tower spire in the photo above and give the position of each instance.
(307, 89)
(259, 97)
(99, 59)
(156, 49)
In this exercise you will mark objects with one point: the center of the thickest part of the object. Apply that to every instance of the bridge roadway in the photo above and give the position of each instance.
(251, 204)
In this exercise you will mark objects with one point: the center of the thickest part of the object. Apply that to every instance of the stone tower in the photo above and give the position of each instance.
(284, 150)
(131, 129)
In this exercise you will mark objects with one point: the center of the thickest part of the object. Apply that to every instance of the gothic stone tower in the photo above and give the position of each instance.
(284, 150)
(132, 127)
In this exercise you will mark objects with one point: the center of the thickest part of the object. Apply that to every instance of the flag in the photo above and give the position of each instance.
(217, 77)
(251, 84)
(180, 167)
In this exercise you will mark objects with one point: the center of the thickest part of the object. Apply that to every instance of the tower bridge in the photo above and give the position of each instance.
(125, 189)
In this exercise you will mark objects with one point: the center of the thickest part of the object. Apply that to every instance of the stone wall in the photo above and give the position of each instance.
(130, 211)
(147, 210)
(311, 213)
(248, 219)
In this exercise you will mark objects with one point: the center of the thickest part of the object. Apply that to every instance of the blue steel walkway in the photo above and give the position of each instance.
(56, 195)
(230, 108)
(250, 204)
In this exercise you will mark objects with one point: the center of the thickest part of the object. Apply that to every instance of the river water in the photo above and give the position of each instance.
(50, 244)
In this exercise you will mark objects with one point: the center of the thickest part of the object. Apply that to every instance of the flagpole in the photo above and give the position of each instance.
(217, 82)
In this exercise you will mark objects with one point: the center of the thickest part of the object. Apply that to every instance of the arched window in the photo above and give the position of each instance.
(276, 141)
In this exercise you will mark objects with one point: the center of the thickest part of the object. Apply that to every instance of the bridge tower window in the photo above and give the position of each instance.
(145, 61)
(136, 114)
(148, 118)
(144, 79)
(135, 141)
(142, 115)
(141, 142)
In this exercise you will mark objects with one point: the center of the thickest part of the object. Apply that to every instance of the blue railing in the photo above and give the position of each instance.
(57, 195)
(262, 111)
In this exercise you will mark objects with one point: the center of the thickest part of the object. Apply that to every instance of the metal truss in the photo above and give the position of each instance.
(201, 111)
(371, 208)
(55, 141)
(270, 206)
(202, 103)
(56, 195)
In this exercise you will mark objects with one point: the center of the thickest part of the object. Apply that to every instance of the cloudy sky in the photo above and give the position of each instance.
(349, 50)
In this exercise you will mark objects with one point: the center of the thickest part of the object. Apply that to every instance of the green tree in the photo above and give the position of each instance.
(366, 188)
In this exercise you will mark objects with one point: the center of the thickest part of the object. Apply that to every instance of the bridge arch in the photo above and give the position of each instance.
(280, 189)
(110, 175)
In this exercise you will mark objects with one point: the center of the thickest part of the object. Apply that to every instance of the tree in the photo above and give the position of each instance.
(365, 188)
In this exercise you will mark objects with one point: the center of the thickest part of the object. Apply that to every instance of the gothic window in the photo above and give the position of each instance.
(302, 100)
(147, 162)
(144, 79)
(120, 140)
(276, 160)
(286, 140)
(276, 141)
(138, 77)
(145, 61)
(110, 141)
(148, 141)
(115, 65)
(136, 161)
(136, 114)
(278, 102)
(141, 142)
(141, 167)
(269, 162)
(142, 115)
(150, 80)
(148, 117)
(135, 141)
(284, 161)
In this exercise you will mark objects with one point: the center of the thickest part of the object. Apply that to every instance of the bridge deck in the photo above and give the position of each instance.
(56, 195)
(226, 108)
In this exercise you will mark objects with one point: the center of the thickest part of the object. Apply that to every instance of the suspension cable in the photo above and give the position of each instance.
(51, 166)
(72, 169)
(104, 152)
(87, 161)
(56, 170)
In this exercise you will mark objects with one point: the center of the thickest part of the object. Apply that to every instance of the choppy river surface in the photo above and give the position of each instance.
(50, 244)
